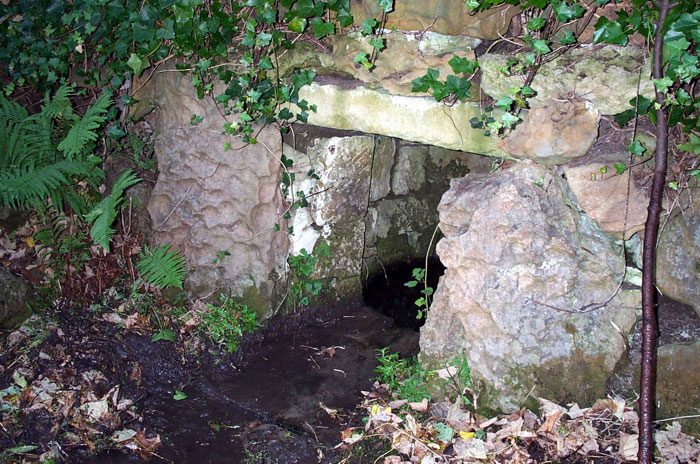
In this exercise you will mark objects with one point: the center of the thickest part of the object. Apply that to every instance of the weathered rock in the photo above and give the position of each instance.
(418, 119)
(603, 196)
(208, 200)
(555, 133)
(449, 17)
(14, 298)
(606, 76)
(678, 257)
(337, 206)
(678, 384)
(405, 57)
(409, 170)
(382, 162)
(513, 251)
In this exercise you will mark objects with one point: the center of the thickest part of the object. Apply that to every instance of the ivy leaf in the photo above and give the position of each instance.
(422, 84)
(463, 65)
(368, 26)
(344, 18)
(620, 168)
(504, 103)
(377, 43)
(307, 8)
(537, 23)
(164, 334)
(321, 28)
(458, 86)
(297, 25)
(386, 5)
(663, 84)
(263, 39)
(137, 64)
(568, 38)
(540, 46)
(439, 90)
(565, 13)
(609, 32)
(509, 119)
(693, 146)
(636, 148)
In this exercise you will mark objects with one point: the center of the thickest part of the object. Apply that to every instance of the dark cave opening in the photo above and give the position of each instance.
(385, 291)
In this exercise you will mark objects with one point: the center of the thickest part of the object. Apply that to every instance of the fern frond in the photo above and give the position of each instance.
(102, 216)
(162, 267)
(60, 106)
(26, 187)
(38, 140)
(11, 111)
(83, 131)
(12, 122)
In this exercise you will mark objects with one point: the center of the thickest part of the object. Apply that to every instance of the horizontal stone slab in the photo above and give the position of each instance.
(418, 119)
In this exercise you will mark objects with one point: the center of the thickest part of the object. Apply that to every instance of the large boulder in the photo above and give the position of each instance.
(525, 269)
(606, 76)
(405, 57)
(417, 119)
(449, 17)
(337, 195)
(210, 201)
(678, 257)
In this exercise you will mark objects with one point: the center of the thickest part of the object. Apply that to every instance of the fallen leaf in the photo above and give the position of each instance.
(471, 448)
(96, 411)
(147, 446)
(447, 373)
(113, 318)
(629, 446)
(420, 406)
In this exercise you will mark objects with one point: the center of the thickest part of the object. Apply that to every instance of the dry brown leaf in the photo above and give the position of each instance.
(629, 446)
(420, 407)
(113, 318)
(147, 446)
(551, 422)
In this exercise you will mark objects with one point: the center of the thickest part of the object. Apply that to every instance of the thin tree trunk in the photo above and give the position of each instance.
(649, 324)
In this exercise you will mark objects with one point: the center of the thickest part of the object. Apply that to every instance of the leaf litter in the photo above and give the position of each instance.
(446, 432)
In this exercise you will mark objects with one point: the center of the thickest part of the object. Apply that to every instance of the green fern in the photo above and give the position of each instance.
(162, 267)
(103, 215)
(83, 131)
(26, 187)
(32, 170)
(60, 106)
(12, 132)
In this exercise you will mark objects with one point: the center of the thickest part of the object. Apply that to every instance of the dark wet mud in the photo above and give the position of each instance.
(284, 398)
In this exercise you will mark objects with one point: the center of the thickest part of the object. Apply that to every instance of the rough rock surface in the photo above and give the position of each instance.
(337, 205)
(603, 196)
(418, 119)
(606, 76)
(406, 57)
(555, 133)
(678, 257)
(677, 385)
(208, 200)
(444, 16)
(513, 245)
(14, 296)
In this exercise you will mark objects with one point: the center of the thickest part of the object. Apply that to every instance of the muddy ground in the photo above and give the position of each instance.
(285, 396)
